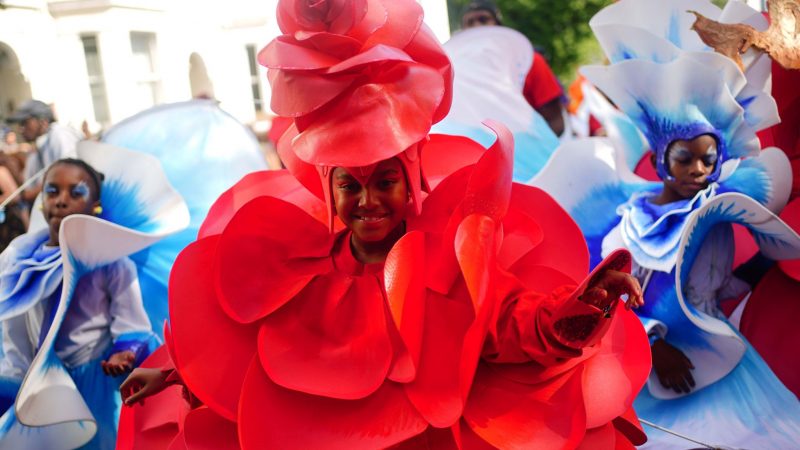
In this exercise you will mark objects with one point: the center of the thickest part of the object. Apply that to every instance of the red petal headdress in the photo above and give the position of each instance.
(364, 81)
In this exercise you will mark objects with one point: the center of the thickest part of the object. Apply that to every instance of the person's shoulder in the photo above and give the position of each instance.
(61, 134)
(62, 141)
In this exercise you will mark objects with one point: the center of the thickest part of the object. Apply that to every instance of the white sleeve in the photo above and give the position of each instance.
(17, 348)
(18, 351)
(711, 278)
(733, 288)
(127, 310)
(61, 143)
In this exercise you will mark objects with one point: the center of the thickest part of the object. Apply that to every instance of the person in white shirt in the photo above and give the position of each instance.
(52, 140)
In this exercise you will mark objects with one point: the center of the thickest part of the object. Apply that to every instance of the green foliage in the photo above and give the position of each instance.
(558, 28)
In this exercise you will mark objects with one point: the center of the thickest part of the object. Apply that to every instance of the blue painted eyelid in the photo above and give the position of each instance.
(80, 190)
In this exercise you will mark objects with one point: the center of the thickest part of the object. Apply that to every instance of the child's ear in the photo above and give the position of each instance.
(653, 159)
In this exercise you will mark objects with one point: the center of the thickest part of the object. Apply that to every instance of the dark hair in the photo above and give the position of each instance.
(96, 176)
(484, 5)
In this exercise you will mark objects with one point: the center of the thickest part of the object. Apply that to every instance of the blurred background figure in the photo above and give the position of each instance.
(542, 89)
(15, 214)
(51, 141)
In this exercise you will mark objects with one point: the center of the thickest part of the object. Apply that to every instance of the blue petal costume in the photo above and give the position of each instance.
(64, 399)
(202, 151)
(664, 79)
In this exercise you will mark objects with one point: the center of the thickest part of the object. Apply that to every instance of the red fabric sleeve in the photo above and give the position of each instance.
(523, 330)
(541, 85)
(551, 328)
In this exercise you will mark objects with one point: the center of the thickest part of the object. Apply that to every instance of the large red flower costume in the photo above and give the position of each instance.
(285, 340)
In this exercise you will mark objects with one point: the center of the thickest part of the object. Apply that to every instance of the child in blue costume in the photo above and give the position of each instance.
(699, 114)
(66, 308)
(105, 332)
(707, 381)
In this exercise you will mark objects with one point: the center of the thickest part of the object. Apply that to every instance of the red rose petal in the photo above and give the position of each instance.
(434, 438)
(275, 183)
(153, 424)
(177, 444)
(435, 392)
(330, 340)
(614, 375)
(442, 203)
(375, 17)
(305, 173)
(336, 45)
(276, 418)
(345, 14)
(426, 49)
(563, 247)
(319, 89)
(512, 415)
(475, 246)
(489, 188)
(405, 291)
(374, 121)
(521, 234)
(404, 18)
(262, 263)
(621, 441)
(538, 277)
(475, 252)
(600, 437)
(378, 54)
(204, 337)
(287, 53)
(204, 429)
(443, 155)
(288, 19)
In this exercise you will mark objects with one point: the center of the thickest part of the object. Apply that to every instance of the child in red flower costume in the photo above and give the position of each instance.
(420, 323)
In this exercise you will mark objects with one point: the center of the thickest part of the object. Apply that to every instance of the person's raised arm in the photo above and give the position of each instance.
(557, 326)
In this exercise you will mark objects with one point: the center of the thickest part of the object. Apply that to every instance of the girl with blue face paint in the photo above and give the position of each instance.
(691, 163)
(70, 187)
(699, 114)
(106, 330)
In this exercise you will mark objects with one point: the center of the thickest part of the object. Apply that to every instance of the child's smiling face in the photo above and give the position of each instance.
(67, 189)
(375, 209)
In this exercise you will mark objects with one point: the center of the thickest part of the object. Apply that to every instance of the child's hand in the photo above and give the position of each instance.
(142, 383)
(608, 286)
(118, 363)
(672, 366)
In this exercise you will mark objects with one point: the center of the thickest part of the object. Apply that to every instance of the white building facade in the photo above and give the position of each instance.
(105, 60)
